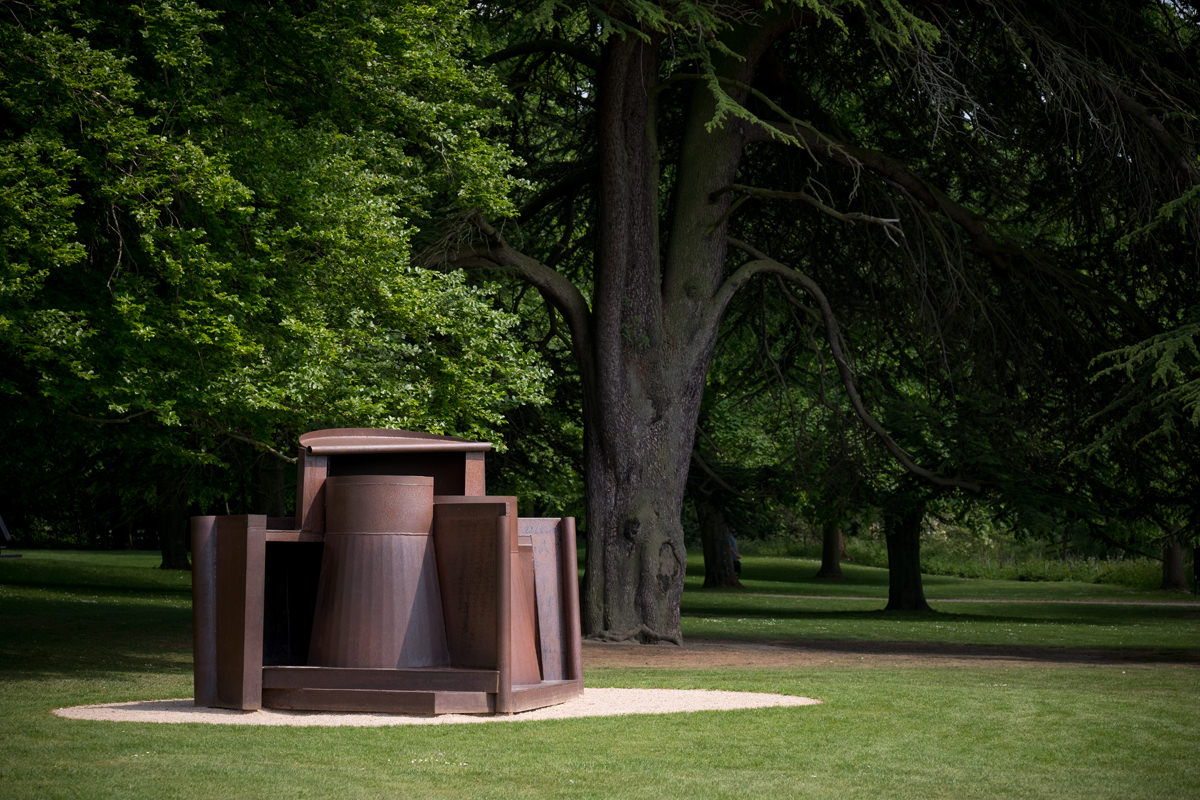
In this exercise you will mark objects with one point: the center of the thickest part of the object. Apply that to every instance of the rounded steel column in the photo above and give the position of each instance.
(378, 603)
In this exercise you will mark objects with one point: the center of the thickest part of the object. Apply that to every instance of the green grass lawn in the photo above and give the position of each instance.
(103, 627)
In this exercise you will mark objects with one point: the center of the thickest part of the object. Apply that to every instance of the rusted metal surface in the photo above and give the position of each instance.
(572, 638)
(204, 610)
(474, 481)
(506, 532)
(465, 539)
(352, 441)
(526, 668)
(414, 703)
(544, 545)
(241, 552)
(310, 491)
(443, 679)
(386, 504)
(379, 604)
(400, 587)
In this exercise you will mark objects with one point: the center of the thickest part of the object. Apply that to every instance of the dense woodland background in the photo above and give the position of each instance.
(857, 270)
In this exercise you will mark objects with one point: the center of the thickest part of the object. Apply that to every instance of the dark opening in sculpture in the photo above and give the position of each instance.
(399, 586)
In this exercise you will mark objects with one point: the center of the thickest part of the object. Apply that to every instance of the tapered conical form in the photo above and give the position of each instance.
(378, 603)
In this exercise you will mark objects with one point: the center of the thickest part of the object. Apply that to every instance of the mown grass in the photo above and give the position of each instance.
(999, 557)
(781, 599)
(1095, 729)
(789, 575)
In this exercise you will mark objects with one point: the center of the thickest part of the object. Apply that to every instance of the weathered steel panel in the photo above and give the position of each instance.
(379, 603)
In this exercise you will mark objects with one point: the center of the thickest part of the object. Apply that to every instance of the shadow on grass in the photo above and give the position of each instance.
(950, 651)
(126, 572)
(50, 632)
(793, 573)
(1015, 613)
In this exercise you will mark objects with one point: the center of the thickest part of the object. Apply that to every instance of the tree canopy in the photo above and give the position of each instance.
(206, 212)
(959, 238)
(968, 197)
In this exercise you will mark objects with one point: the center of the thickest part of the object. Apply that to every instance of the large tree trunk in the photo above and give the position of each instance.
(652, 331)
(831, 552)
(634, 467)
(636, 557)
(720, 567)
(1174, 575)
(902, 526)
(643, 334)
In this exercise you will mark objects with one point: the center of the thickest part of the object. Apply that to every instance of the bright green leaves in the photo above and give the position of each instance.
(36, 206)
(205, 221)
(174, 30)
(369, 68)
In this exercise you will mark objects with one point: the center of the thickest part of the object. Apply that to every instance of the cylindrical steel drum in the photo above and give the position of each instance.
(378, 603)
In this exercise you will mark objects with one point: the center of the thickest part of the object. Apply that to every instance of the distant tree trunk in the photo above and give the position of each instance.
(272, 481)
(172, 518)
(902, 527)
(1174, 575)
(831, 552)
(1196, 570)
(719, 567)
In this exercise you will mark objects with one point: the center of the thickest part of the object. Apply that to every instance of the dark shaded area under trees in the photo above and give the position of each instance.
(205, 215)
(973, 201)
(856, 258)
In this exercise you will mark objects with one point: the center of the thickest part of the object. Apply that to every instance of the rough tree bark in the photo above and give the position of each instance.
(653, 329)
(831, 552)
(902, 526)
(719, 570)
(1174, 577)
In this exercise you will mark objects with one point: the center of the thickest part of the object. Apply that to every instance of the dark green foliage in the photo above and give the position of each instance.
(948, 212)
(205, 218)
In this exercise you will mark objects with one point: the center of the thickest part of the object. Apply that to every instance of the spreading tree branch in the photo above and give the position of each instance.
(494, 252)
(255, 443)
(762, 264)
(1006, 257)
(890, 225)
(585, 56)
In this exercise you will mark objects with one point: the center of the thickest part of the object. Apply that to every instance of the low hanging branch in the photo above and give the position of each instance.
(489, 249)
(257, 444)
(891, 226)
(1005, 255)
(763, 264)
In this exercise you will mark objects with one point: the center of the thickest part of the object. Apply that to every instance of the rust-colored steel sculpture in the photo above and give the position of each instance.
(378, 602)
(399, 586)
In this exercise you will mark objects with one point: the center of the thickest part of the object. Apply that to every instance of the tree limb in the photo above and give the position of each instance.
(572, 179)
(583, 55)
(892, 226)
(266, 448)
(1005, 256)
(496, 253)
(118, 421)
(763, 264)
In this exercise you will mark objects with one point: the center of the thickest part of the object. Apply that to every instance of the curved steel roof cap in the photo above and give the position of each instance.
(384, 440)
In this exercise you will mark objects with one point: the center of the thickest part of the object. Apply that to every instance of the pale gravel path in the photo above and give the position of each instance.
(593, 703)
